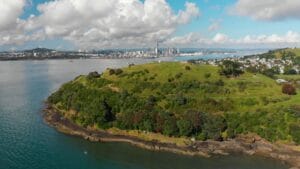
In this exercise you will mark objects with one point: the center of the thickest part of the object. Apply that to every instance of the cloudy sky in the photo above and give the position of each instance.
(98, 24)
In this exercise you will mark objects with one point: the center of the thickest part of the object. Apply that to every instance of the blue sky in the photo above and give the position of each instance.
(235, 26)
(208, 23)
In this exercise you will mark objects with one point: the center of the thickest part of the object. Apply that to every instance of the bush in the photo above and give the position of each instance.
(170, 126)
(214, 126)
(187, 68)
(220, 82)
(295, 132)
(115, 71)
(269, 72)
(178, 75)
(242, 86)
(290, 72)
(288, 89)
(111, 71)
(181, 100)
(118, 71)
(230, 69)
(207, 75)
(185, 127)
(93, 75)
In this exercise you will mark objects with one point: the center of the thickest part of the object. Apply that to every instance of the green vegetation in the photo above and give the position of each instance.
(230, 68)
(288, 89)
(182, 100)
(284, 54)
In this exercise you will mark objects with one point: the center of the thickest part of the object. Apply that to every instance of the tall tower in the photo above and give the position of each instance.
(157, 49)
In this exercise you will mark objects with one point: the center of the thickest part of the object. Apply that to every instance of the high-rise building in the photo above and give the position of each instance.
(157, 49)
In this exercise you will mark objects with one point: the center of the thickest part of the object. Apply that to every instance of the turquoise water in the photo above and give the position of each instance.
(27, 143)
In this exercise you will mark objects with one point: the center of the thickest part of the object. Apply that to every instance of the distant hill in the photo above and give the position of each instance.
(287, 53)
(39, 50)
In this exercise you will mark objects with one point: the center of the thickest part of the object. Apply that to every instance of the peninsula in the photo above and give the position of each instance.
(187, 108)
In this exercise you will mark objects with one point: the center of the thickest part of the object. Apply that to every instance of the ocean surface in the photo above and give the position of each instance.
(26, 142)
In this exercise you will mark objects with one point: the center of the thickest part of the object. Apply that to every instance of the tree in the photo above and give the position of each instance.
(269, 72)
(167, 122)
(295, 132)
(290, 71)
(213, 126)
(230, 68)
(108, 116)
(170, 127)
(288, 89)
(185, 127)
(187, 68)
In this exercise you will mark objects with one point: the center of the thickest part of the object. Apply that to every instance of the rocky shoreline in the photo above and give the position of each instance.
(251, 145)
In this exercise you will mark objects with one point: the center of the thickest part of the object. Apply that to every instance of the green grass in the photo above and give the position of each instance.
(279, 53)
(177, 90)
(256, 86)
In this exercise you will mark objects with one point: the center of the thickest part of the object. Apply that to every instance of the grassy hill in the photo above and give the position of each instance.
(287, 53)
(182, 100)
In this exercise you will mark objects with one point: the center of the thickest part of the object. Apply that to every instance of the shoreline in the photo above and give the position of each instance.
(250, 145)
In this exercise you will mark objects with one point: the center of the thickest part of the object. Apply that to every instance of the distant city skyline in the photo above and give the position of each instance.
(107, 24)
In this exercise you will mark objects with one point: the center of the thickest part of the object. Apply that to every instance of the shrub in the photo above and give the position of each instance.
(181, 100)
(242, 86)
(220, 82)
(187, 68)
(115, 71)
(288, 89)
(171, 79)
(185, 127)
(295, 132)
(93, 75)
(111, 71)
(269, 72)
(146, 71)
(290, 72)
(207, 75)
(178, 75)
(118, 71)
(230, 69)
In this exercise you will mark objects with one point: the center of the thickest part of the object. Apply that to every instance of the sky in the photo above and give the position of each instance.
(107, 24)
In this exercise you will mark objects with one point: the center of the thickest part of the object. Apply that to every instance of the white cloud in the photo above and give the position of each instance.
(110, 23)
(10, 12)
(215, 25)
(184, 41)
(290, 39)
(220, 38)
(270, 10)
(94, 23)
(11, 26)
